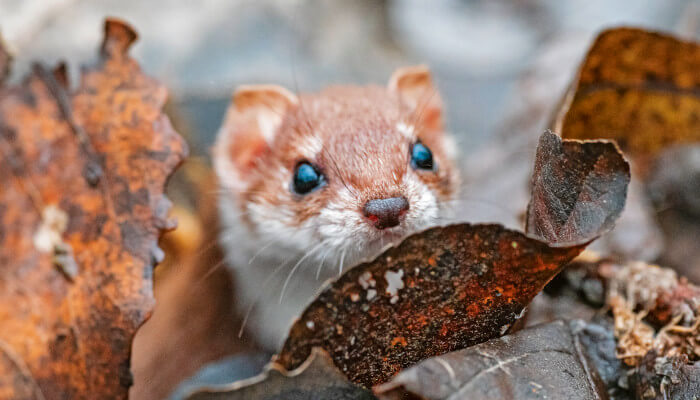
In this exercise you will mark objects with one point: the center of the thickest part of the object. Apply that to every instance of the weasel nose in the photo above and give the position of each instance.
(385, 213)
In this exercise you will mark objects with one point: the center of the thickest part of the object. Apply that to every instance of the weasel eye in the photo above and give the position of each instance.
(421, 157)
(306, 178)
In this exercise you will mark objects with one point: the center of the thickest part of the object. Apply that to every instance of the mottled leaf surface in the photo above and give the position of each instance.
(637, 87)
(81, 210)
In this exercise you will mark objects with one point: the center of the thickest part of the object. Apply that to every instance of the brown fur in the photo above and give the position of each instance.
(357, 127)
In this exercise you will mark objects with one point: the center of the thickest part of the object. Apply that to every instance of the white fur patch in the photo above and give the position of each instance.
(409, 131)
(310, 146)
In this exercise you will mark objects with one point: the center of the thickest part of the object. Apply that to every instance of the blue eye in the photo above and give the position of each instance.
(306, 178)
(421, 157)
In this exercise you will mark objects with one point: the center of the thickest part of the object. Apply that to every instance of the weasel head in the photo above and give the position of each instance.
(339, 173)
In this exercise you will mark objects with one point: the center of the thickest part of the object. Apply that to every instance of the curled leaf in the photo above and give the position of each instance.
(577, 191)
(81, 210)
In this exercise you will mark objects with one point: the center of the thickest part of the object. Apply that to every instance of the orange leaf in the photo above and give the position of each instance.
(81, 210)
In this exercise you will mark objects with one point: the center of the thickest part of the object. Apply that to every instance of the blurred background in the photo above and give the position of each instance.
(478, 49)
(502, 68)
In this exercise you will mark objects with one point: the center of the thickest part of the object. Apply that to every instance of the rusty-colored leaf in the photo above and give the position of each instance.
(81, 210)
(453, 287)
(638, 87)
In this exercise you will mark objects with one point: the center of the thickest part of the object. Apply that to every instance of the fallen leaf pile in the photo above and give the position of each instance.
(81, 210)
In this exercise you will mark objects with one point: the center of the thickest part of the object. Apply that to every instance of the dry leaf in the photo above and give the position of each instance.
(81, 210)
(577, 191)
(539, 362)
(637, 87)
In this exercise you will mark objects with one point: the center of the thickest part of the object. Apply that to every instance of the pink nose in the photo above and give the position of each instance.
(385, 213)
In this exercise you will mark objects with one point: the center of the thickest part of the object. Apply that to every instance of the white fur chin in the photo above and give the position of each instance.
(269, 320)
(347, 239)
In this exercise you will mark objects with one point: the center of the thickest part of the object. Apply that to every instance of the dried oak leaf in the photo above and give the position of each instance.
(81, 210)
(449, 288)
(637, 87)
(316, 378)
(545, 361)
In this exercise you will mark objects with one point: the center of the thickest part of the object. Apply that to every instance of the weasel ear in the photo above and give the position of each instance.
(250, 125)
(414, 86)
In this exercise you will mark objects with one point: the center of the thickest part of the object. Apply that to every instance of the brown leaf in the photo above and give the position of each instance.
(577, 191)
(539, 362)
(453, 287)
(643, 89)
(81, 210)
(638, 87)
(316, 378)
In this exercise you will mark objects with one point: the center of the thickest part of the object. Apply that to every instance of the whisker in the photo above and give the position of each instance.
(320, 265)
(291, 273)
(262, 288)
(342, 260)
(337, 171)
(423, 107)
(211, 271)
(257, 253)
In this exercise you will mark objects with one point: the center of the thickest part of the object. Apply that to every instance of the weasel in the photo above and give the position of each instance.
(311, 184)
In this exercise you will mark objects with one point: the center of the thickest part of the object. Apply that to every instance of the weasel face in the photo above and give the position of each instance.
(339, 174)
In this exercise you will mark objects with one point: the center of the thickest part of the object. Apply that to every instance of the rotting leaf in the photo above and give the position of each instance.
(462, 284)
(637, 87)
(544, 361)
(81, 210)
(316, 378)
(577, 191)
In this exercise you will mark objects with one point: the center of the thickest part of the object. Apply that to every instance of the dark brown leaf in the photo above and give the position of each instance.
(539, 362)
(438, 291)
(316, 378)
(449, 288)
(81, 210)
(577, 191)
